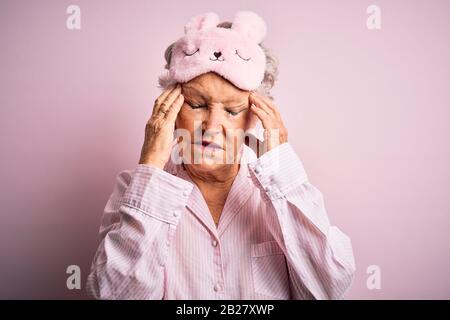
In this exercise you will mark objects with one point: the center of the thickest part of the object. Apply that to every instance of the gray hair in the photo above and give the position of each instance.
(270, 73)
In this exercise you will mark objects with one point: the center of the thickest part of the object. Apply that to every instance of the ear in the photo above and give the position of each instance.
(251, 24)
(201, 22)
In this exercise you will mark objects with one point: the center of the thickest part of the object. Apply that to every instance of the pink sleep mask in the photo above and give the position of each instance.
(233, 53)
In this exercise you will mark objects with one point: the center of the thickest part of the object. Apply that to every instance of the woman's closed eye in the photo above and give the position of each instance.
(236, 110)
(197, 106)
(234, 113)
(201, 106)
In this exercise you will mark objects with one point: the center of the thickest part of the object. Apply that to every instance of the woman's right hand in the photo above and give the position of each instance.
(159, 129)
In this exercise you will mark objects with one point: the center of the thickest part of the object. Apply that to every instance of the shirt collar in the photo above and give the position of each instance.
(240, 191)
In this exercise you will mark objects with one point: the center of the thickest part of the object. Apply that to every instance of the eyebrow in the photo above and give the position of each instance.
(240, 107)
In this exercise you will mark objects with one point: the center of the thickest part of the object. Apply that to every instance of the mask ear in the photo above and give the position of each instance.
(201, 22)
(251, 24)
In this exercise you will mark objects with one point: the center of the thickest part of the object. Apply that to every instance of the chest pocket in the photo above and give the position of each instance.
(269, 271)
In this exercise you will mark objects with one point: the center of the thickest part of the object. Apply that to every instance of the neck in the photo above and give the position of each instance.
(214, 186)
(213, 180)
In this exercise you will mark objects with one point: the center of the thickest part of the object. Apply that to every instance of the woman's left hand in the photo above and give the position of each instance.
(275, 133)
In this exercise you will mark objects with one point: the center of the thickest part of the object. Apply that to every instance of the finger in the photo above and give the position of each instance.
(174, 109)
(161, 98)
(166, 104)
(265, 101)
(262, 115)
(164, 99)
(262, 105)
(263, 98)
(264, 109)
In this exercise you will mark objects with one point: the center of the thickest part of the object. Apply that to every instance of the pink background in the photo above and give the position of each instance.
(368, 112)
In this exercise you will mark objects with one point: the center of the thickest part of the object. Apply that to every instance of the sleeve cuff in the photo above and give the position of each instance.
(279, 171)
(157, 193)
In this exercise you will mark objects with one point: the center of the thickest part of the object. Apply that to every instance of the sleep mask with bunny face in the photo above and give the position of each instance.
(233, 53)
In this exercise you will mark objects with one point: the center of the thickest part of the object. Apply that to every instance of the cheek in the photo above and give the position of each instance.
(239, 122)
(186, 118)
(235, 129)
(250, 120)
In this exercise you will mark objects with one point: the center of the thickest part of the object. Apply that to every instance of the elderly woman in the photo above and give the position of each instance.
(207, 214)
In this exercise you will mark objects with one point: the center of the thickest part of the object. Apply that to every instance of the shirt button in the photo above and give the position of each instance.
(214, 243)
(185, 192)
(176, 213)
(258, 168)
(217, 287)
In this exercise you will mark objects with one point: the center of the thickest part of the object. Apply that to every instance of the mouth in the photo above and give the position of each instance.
(205, 144)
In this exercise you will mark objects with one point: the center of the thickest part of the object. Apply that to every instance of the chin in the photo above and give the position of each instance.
(202, 159)
(209, 167)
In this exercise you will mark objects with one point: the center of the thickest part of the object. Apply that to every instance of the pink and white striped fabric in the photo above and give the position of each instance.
(273, 240)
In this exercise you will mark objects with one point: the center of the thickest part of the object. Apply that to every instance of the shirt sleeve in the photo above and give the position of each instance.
(319, 256)
(138, 224)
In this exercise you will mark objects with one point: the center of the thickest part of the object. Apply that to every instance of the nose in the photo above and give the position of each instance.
(217, 54)
(213, 121)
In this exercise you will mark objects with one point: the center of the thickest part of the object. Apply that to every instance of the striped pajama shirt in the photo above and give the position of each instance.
(273, 240)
